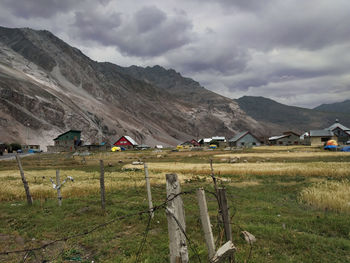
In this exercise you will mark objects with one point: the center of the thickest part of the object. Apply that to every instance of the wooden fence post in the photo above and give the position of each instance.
(102, 185)
(176, 221)
(58, 186)
(208, 234)
(25, 183)
(225, 215)
(213, 175)
(224, 212)
(149, 194)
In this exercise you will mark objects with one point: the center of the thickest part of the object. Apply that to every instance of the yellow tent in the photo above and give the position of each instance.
(116, 149)
(332, 142)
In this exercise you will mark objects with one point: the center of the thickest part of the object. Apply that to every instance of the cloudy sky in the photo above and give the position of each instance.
(294, 51)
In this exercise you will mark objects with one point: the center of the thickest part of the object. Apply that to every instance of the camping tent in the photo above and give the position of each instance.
(346, 149)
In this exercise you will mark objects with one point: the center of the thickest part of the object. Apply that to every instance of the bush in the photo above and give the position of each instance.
(15, 146)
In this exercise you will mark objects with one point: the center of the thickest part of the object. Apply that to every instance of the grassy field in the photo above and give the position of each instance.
(295, 200)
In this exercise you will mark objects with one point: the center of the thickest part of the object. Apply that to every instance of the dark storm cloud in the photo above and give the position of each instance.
(280, 47)
(310, 25)
(96, 27)
(149, 18)
(223, 59)
(149, 32)
(244, 84)
(39, 8)
(245, 5)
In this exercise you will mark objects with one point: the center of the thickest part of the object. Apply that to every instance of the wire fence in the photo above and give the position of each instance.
(163, 206)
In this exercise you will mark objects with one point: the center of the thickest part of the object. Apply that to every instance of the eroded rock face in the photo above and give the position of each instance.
(48, 87)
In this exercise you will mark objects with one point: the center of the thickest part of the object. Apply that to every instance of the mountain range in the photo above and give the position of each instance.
(342, 107)
(48, 87)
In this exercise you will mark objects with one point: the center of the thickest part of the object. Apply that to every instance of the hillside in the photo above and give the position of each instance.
(293, 118)
(343, 107)
(48, 87)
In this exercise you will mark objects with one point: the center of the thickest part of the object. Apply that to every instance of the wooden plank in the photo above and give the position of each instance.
(58, 187)
(25, 183)
(208, 234)
(102, 185)
(176, 221)
(225, 251)
(148, 187)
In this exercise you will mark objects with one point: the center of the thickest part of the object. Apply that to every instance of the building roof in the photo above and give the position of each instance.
(206, 140)
(218, 138)
(319, 133)
(291, 132)
(273, 138)
(338, 125)
(131, 140)
(238, 136)
(66, 133)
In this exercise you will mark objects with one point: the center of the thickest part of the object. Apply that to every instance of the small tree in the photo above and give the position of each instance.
(15, 146)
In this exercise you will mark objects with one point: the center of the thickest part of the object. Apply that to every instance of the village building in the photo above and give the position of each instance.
(143, 147)
(65, 142)
(204, 142)
(336, 131)
(287, 138)
(319, 137)
(342, 132)
(244, 139)
(31, 148)
(126, 142)
(220, 141)
(192, 143)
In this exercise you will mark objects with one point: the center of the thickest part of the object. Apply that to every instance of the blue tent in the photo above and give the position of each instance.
(330, 147)
(346, 149)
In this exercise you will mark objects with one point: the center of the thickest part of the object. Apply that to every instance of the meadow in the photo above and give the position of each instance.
(294, 200)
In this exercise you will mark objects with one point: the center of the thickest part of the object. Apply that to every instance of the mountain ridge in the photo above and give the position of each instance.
(96, 97)
(291, 117)
(341, 107)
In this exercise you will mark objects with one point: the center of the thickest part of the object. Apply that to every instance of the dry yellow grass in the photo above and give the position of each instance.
(333, 169)
(287, 148)
(85, 183)
(286, 155)
(328, 195)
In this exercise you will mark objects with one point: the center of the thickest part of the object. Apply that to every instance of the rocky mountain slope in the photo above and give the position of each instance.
(298, 119)
(343, 107)
(48, 87)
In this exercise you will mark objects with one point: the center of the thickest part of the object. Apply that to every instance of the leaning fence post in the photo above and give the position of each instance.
(58, 185)
(102, 185)
(208, 234)
(224, 212)
(25, 183)
(176, 221)
(149, 194)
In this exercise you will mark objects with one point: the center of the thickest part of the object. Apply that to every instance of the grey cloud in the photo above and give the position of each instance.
(148, 18)
(244, 84)
(306, 25)
(150, 32)
(39, 8)
(209, 57)
(239, 5)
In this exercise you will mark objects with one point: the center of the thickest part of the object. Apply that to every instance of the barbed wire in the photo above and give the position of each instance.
(143, 242)
(86, 232)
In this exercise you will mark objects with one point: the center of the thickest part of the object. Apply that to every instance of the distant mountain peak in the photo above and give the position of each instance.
(341, 107)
